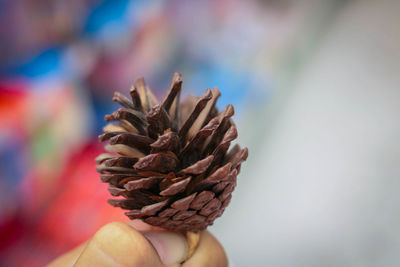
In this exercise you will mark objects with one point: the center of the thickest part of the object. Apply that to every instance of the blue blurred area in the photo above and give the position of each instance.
(38, 66)
(105, 12)
(235, 86)
(13, 159)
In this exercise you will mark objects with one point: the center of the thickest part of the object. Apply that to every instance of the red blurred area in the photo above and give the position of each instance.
(13, 102)
(76, 209)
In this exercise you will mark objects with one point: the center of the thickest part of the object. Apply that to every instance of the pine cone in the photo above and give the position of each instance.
(169, 161)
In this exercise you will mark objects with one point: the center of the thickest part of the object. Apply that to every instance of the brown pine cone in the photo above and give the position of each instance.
(169, 161)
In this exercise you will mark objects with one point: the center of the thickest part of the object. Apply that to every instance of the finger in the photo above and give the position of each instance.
(208, 253)
(69, 258)
(117, 244)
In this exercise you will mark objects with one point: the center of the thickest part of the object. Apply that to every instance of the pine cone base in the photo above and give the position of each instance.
(168, 163)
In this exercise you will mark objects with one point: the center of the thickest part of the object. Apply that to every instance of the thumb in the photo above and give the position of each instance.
(119, 244)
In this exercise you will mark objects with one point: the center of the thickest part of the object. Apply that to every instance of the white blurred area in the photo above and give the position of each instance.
(322, 188)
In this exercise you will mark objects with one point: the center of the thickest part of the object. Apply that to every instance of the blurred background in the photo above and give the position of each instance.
(315, 85)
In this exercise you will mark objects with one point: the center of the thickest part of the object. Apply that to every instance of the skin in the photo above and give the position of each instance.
(125, 244)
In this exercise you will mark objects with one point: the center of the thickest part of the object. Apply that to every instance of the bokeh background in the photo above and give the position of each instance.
(315, 85)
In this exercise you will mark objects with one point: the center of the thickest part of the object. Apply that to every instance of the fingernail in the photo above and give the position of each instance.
(171, 247)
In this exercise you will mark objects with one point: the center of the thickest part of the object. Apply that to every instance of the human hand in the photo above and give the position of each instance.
(138, 244)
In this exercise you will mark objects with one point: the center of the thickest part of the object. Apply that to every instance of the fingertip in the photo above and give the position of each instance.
(208, 253)
(171, 247)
